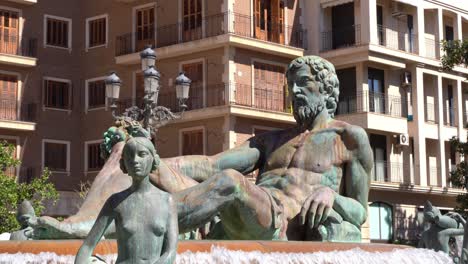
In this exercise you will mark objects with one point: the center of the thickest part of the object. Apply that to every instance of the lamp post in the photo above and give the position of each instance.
(151, 115)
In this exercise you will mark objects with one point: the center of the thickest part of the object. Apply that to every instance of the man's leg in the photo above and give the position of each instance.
(245, 209)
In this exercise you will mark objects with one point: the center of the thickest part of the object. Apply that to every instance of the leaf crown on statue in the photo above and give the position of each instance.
(123, 129)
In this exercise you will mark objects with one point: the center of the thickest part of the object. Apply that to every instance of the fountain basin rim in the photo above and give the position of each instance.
(106, 247)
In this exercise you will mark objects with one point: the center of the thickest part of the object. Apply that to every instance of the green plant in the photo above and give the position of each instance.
(458, 176)
(455, 53)
(12, 192)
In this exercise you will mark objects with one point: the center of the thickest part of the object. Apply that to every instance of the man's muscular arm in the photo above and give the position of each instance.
(244, 158)
(352, 204)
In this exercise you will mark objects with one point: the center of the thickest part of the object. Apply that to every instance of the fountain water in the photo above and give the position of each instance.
(220, 255)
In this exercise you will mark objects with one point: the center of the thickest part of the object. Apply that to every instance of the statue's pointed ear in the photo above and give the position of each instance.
(122, 166)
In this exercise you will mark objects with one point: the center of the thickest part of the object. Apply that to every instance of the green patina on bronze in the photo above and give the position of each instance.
(24, 214)
(145, 217)
(300, 191)
(313, 180)
(439, 229)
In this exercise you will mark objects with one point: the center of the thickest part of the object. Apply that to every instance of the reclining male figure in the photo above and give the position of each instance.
(313, 180)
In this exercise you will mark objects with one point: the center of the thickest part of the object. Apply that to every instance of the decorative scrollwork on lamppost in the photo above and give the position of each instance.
(151, 116)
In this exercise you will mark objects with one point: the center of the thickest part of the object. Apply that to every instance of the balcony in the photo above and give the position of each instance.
(260, 98)
(373, 102)
(376, 111)
(214, 96)
(22, 55)
(392, 172)
(397, 39)
(432, 48)
(246, 97)
(430, 113)
(211, 26)
(17, 116)
(341, 38)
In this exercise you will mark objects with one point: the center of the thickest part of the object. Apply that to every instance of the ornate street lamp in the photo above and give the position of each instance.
(113, 84)
(148, 58)
(182, 89)
(151, 115)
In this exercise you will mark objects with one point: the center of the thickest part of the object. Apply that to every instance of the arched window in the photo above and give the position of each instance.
(381, 222)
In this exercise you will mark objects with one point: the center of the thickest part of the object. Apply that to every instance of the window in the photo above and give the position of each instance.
(145, 26)
(379, 148)
(56, 155)
(376, 90)
(94, 162)
(194, 71)
(381, 222)
(269, 20)
(96, 94)
(8, 97)
(57, 31)
(9, 24)
(192, 19)
(193, 142)
(96, 30)
(57, 94)
(269, 86)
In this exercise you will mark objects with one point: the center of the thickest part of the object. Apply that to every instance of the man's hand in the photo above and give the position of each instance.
(317, 207)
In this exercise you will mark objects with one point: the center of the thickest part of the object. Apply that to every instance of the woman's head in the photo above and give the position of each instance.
(139, 157)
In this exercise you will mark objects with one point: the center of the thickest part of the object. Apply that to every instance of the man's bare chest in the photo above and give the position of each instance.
(316, 153)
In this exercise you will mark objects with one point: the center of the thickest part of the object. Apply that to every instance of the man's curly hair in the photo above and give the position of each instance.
(324, 74)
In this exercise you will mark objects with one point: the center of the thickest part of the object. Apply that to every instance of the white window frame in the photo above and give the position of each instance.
(70, 26)
(188, 129)
(88, 20)
(18, 150)
(203, 61)
(100, 78)
(134, 18)
(65, 142)
(86, 143)
(70, 90)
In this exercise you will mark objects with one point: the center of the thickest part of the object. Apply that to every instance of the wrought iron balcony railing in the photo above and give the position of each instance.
(215, 95)
(396, 39)
(15, 111)
(374, 103)
(344, 37)
(10, 44)
(210, 26)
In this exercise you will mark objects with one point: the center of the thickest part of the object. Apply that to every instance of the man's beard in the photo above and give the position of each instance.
(306, 114)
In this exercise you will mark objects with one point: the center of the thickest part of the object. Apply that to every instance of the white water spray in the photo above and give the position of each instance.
(220, 255)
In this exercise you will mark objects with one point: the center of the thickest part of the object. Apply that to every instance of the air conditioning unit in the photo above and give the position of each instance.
(403, 140)
(398, 10)
(406, 79)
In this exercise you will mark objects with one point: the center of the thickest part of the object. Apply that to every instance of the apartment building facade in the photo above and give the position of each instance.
(54, 57)
(387, 55)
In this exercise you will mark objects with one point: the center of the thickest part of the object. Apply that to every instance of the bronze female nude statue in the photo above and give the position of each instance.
(145, 216)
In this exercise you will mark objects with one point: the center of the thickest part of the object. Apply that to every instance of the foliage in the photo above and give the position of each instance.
(458, 176)
(83, 191)
(455, 53)
(13, 193)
